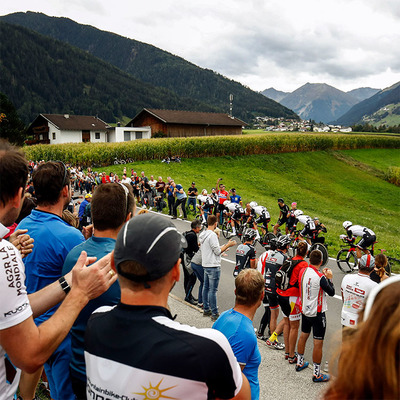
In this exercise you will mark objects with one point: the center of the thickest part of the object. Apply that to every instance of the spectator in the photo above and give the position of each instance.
(54, 238)
(153, 353)
(83, 220)
(237, 325)
(189, 277)
(153, 192)
(27, 345)
(180, 196)
(211, 262)
(199, 272)
(379, 273)
(170, 196)
(192, 196)
(235, 198)
(313, 286)
(374, 344)
(112, 206)
(355, 289)
(222, 196)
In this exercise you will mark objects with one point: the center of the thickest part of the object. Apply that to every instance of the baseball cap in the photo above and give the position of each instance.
(152, 241)
(280, 200)
(88, 196)
(193, 183)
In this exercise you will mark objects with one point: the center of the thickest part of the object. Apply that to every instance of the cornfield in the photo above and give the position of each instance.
(87, 154)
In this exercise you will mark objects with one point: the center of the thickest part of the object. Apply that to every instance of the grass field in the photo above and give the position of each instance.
(321, 184)
(381, 159)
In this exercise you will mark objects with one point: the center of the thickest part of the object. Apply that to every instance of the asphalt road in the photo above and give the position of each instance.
(226, 295)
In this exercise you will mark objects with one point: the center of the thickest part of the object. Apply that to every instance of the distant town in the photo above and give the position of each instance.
(270, 124)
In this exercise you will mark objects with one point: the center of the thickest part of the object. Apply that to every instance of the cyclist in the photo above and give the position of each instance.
(368, 237)
(268, 264)
(206, 205)
(236, 212)
(263, 218)
(302, 218)
(284, 209)
(246, 253)
(311, 231)
(249, 217)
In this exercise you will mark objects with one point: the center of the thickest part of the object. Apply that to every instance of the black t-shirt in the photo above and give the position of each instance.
(284, 209)
(191, 191)
(192, 243)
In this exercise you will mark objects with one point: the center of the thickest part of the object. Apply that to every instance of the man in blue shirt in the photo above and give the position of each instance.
(236, 324)
(112, 205)
(54, 238)
(181, 197)
(235, 198)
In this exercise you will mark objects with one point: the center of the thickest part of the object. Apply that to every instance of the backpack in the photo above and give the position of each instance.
(282, 276)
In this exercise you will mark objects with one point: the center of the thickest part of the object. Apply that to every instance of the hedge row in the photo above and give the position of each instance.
(105, 153)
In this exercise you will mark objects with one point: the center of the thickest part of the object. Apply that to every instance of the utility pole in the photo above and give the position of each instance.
(230, 105)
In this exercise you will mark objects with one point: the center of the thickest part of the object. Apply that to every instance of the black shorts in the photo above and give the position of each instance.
(220, 208)
(272, 300)
(318, 325)
(366, 241)
(291, 223)
(282, 221)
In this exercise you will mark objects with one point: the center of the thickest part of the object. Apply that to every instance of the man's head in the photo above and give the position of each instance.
(367, 264)
(13, 177)
(233, 191)
(193, 184)
(212, 221)
(50, 180)
(111, 206)
(195, 225)
(148, 247)
(281, 202)
(316, 258)
(160, 179)
(249, 288)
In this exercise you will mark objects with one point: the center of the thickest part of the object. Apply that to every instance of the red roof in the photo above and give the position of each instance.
(192, 117)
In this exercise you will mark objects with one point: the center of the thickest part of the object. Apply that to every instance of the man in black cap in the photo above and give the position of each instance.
(136, 348)
(283, 216)
(192, 197)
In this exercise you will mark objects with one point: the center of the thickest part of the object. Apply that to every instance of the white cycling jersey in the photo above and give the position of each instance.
(358, 230)
(303, 219)
(261, 210)
(232, 207)
(355, 289)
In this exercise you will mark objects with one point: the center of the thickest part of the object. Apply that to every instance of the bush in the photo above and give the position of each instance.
(393, 175)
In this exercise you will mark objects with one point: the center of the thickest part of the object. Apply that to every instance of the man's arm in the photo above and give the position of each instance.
(245, 392)
(29, 346)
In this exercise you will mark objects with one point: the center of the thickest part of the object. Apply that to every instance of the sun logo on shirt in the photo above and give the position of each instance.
(154, 392)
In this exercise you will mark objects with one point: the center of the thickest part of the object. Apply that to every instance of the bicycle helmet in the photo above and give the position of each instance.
(367, 262)
(250, 234)
(253, 204)
(226, 202)
(347, 224)
(297, 213)
(316, 219)
(283, 241)
(294, 204)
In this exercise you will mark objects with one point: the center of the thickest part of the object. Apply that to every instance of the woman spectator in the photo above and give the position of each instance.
(379, 273)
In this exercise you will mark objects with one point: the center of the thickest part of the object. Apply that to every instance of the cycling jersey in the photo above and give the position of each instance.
(222, 196)
(355, 289)
(292, 220)
(311, 230)
(313, 286)
(268, 264)
(236, 199)
(358, 231)
(303, 219)
(284, 210)
(244, 254)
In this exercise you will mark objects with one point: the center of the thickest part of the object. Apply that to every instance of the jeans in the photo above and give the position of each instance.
(210, 288)
(199, 272)
(192, 201)
(178, 202)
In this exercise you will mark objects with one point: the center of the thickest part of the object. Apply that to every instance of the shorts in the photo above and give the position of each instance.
(317, 323)
(291, 223)
(366, 241)
(221, 208)
(290, 307)
(272, 300)
(265, 300)
(282, 221)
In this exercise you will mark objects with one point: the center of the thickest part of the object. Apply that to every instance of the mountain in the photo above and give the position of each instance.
(154, 66)
(381, 108)
(363, 93)
(319, 102)
(274, 94)
(43, 75)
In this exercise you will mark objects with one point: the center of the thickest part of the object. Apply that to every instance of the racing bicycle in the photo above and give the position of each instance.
(314, 246)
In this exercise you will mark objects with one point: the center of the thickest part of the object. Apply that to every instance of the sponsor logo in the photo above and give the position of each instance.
(14, 275)
(19, 309)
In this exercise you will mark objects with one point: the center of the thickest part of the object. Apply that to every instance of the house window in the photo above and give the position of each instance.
(139, 135)
(127, 136)
(97, 135)
(54, 136)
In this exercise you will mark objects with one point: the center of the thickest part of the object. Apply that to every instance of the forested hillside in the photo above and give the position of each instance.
(154, 66)
(43, 75)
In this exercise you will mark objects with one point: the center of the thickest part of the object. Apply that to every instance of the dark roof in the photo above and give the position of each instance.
(192, 117)
(76, 122)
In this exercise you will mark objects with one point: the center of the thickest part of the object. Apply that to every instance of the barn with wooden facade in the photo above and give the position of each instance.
(174, 123)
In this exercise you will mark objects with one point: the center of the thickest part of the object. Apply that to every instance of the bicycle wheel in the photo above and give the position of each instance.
(227, 229)
(266, 240)
(346, 260)
(323, 250)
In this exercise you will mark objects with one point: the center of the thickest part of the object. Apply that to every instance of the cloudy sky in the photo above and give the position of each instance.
(262, 44)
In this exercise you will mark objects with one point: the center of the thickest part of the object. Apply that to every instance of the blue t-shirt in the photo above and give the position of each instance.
(94, 247)
(236, 199)
(239, 331)
(54, 238)
(180, 196)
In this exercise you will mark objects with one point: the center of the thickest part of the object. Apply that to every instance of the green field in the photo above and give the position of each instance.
(381, 159)
(319, 182)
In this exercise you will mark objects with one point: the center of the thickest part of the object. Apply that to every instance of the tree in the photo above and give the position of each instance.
(11, 126)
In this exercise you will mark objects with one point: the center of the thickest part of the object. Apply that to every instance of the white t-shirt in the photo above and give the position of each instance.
(126, 180)
(14, 305)
(355, 289)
